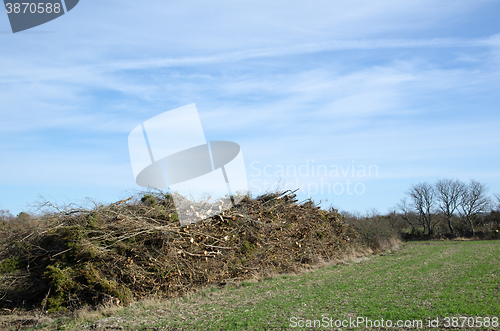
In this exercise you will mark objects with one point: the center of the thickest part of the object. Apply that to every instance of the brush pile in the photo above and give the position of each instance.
(136, 248)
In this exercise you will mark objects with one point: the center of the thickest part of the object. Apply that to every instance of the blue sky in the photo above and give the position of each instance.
(409, 88)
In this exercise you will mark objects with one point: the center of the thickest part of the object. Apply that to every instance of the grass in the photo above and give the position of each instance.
(421, 281)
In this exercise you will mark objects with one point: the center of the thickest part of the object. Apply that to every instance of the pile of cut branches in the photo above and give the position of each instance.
(136, 248)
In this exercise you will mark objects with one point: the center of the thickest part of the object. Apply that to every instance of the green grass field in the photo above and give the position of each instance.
(420, 281)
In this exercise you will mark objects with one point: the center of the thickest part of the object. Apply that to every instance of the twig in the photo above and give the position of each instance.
(133, 235)
(219, 247)
(285, 193)
(121, 201)
(43, 308)
(61, 252)
(200, 255)
(75, 211)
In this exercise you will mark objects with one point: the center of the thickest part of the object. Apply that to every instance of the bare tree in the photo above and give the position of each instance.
(372, 213)
(423, 200)
(5, 215)
(497, 196)
(406, 212)
(474, 202)
(449, 193)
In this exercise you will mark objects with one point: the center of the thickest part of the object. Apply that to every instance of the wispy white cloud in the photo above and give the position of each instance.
(95, 75)
(339, 45)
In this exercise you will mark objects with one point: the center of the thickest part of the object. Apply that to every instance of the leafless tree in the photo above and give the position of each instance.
(406, 212)
(423, 200)
(372, 213)
(497, 196)
(5, 215)
(449, 193)
(474, 201)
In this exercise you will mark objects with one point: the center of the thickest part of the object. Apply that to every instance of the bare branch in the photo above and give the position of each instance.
(474, 202)
(449, 193)
(423, 200)
(404, 207)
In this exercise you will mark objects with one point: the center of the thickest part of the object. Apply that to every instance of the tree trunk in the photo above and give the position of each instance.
(471, 226)
(449, 225)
